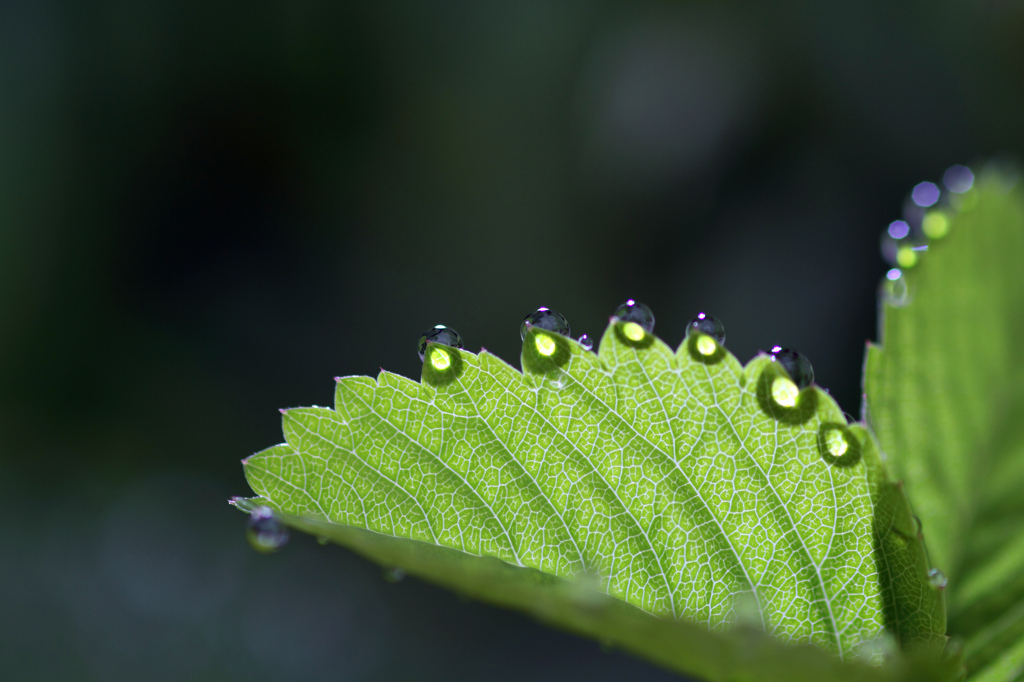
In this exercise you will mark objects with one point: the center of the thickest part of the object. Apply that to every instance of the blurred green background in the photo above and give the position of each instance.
(208, 210)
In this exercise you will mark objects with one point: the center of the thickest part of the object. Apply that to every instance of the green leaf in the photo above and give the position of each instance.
(945, 395)
(674, 482)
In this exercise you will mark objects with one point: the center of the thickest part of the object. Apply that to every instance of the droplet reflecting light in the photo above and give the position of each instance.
(937, 579)
(545, 345)
(545, 318)
(440, 334)
(586, 342)
(785, 392)
(894, 289)
(706, 324)
(796, 365)
(265, 532)
(706, 345)
(835, 443)
(440, 359)
(633, 331)
(637, 313)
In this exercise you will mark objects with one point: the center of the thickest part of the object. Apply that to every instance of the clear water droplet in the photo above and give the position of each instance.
(838, 445)
(958, 179)
(265, 532)
(937, 579)
(706, 324)
(545, 318)
(394, 574)
(440, 334)
(796, 365)
(637, 313)
(894, 289)
(586, 342)
(925, 194)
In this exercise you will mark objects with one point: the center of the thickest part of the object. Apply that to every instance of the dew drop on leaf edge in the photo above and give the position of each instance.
(937, 579)
(545, 318)
(796, 365)
(586, 342)
(894, 288)
(264, 531)
(439, 334)
(706, 324)
(637, 313)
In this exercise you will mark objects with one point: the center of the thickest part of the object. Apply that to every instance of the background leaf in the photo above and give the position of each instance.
(673, 478)
(944, 395)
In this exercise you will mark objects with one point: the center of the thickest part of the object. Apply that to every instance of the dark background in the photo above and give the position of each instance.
(208, 210)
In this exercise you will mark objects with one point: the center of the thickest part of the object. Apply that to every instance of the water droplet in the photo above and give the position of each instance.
(935, 224)
(958, 179)
(545, 345)
(557, 382)
(706, 324)
(937, 579)
(635, 324)
(639, 314)
(586, 342)
(838, 445)
(925, 194)
(441, 335)
(394, 574)
(781, 387)
(545, 352)
(439, 350)
(796, 365)
(894, 289)
(545, 318)
(704, 338)
(264, 531)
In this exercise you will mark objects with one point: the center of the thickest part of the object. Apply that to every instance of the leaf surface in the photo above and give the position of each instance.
(945, 396)
(698, 505)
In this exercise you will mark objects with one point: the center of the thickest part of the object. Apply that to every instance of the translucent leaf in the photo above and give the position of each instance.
(663, 501)
(945, 395)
